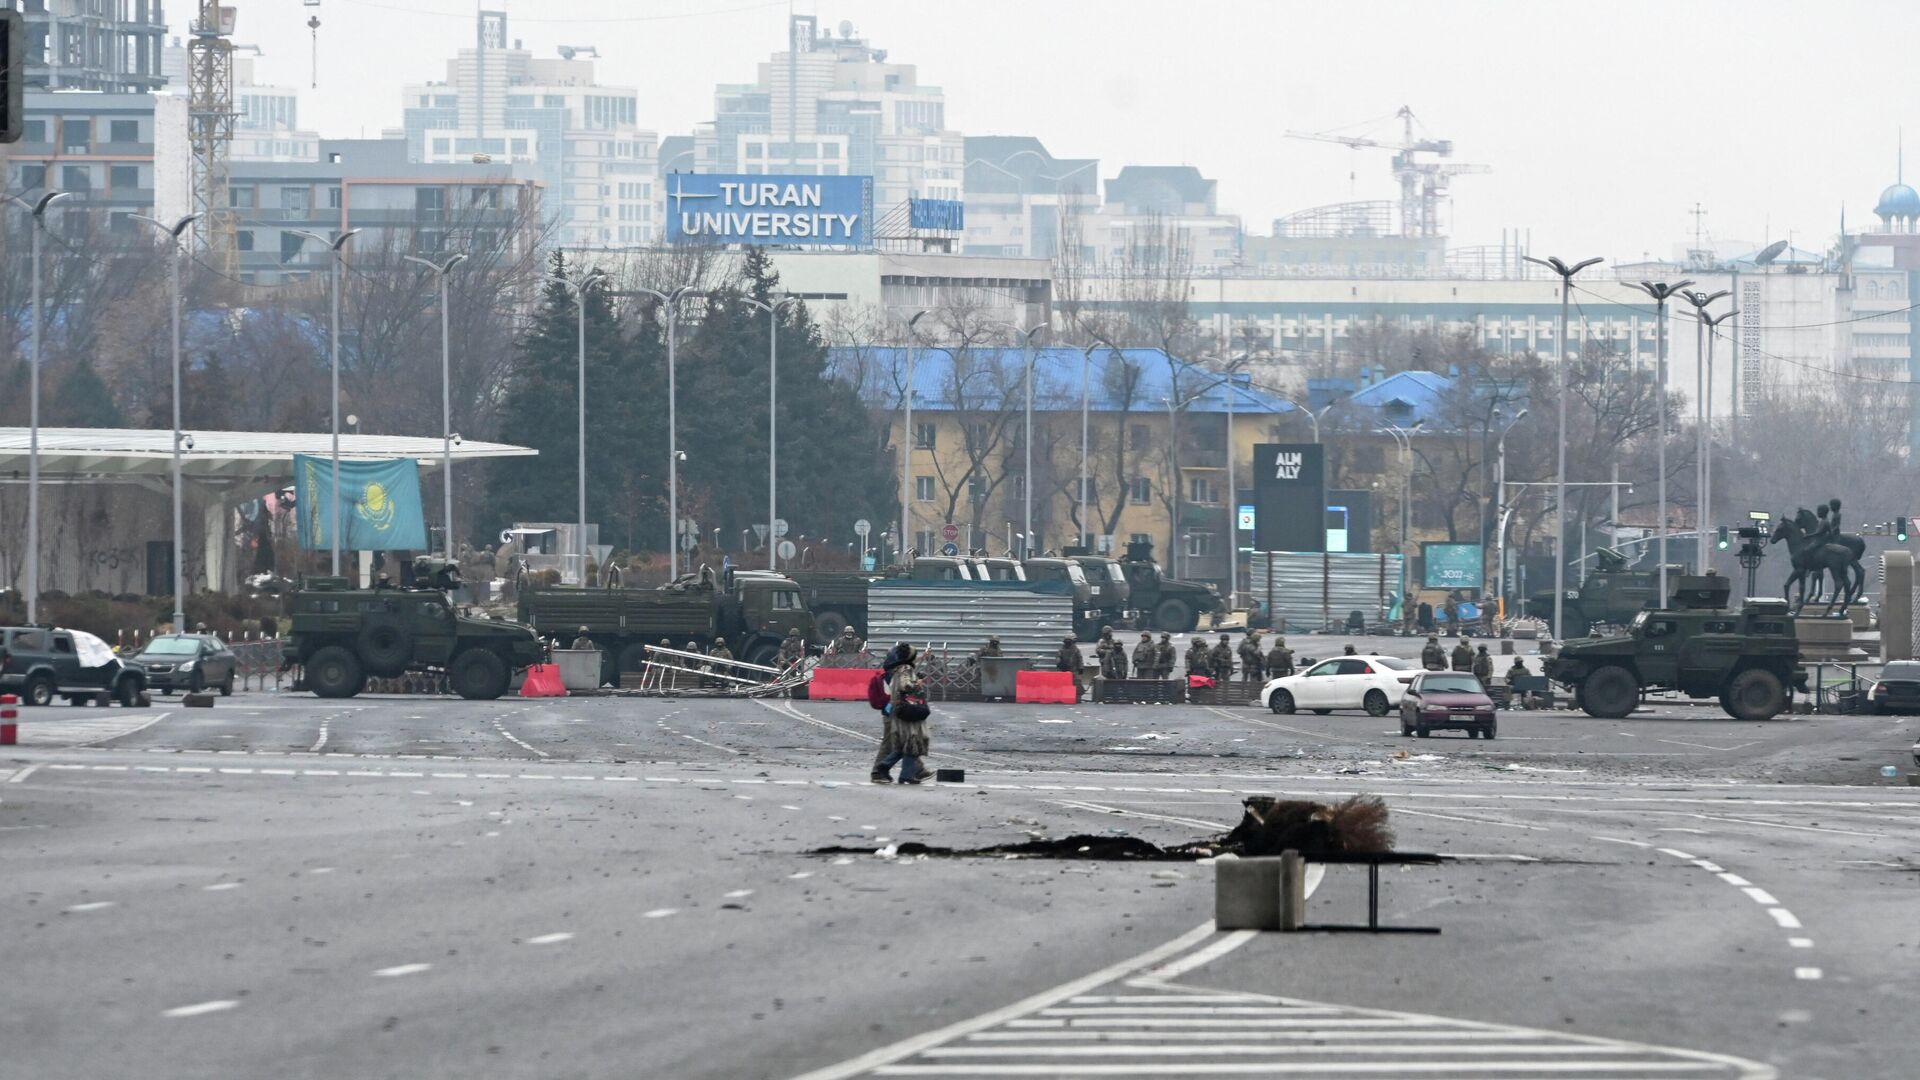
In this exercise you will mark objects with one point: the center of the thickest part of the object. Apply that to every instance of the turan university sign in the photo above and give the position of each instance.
(709, 208)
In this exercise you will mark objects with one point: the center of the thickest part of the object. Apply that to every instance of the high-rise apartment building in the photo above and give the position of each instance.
(582, 140)
(835, 106)
(113, 47)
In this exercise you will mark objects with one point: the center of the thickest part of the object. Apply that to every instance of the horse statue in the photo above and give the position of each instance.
(1815, 552)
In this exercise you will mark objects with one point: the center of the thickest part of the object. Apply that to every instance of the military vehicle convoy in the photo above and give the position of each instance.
(1748, 659)
(340, 636)
(751, 610)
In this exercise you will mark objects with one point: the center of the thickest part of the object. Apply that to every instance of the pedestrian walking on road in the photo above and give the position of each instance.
(1462, 655)
(1483, 667)
(888, 754)
(1222, 659)
(907, 706)
(1433, 657)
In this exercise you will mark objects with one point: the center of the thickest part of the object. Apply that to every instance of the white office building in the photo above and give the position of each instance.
(501, 104)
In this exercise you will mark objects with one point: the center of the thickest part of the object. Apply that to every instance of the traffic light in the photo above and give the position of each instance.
(1721, 542)
(1900, 529)
(13, 75)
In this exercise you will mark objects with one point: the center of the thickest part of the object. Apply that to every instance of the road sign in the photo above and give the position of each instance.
(787, 549)
(599, 552)
(688, 541)
(862, 527)
(950, 532)
(689, 527)
(949, 549)
(779, 526)
(760, 532)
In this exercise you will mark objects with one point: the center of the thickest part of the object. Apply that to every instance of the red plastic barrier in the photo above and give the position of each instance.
(9, 731)
(1200, 682)
(840, 683)
(1045, 687)
(543, 680)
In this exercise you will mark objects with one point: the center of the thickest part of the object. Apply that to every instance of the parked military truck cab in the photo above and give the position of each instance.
(1108, 584)
(1166, 603)
(340, 636)
(998, 568)
(1610, 595)
(1051, 569)
(1747, 659)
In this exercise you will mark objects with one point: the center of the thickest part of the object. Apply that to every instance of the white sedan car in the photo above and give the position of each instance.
(1369, 682)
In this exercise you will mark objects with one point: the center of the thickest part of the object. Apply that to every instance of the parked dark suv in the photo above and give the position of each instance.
(190, 662)
(42, 662)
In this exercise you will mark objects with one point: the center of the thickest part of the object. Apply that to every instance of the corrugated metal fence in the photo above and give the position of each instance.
(1310, 590)
(959, 616)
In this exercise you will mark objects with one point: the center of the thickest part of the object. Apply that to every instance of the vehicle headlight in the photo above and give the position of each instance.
(188, 666)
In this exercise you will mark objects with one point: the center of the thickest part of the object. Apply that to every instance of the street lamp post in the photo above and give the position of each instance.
(578, 288)
(1086, 407)
(172, 233)
(773, 417)
(1661, 291)
(38, 208)
(1706, 476)
(1312, 417)
(1499, 509)
(337, 245)
(442, 270)
(672, 302)
(1026, 483)
(1702, 413)
(1560, 472)
(1404, 437)
(906, 438)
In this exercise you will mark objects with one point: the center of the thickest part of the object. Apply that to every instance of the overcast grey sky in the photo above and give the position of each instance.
(1604, 122)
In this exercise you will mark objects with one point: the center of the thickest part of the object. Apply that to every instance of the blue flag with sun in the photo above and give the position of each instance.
(379, 504)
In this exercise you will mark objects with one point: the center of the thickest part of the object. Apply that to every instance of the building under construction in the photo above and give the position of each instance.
(88, 45)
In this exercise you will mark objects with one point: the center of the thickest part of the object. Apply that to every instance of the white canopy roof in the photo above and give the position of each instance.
(108, 454)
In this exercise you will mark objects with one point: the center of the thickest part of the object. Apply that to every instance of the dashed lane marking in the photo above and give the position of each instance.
(321, 741)
(402, 969)
(201, 1009)
(550, 939)
(94, 905)
(516, 740)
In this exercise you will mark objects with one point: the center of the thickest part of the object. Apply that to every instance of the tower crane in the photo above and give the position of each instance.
(1423, 183)
(210, 119)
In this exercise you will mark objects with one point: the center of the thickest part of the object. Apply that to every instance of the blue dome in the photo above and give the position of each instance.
(1898, 201)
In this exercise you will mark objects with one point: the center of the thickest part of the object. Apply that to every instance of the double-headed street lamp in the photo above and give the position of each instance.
(578, 287)
(1566, 273)
(672, 303)
(1312, 417)
(773, 417)
(337, 245)
(1706, 475)
(172, 233)
(1661, 291)
(1702, 411)
(1404, 437)
(443, 269)
(38, 208)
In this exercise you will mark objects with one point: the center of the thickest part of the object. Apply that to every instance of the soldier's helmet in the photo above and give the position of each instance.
(1164, 636)
(1224, 638)
(583, 630)
(1106, 629)
(993, 640)
(848, 632)
(1068, 641)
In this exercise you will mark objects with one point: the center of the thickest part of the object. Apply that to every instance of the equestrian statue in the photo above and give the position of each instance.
(1819, 550)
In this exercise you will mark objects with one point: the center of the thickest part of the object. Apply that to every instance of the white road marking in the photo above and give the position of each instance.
(402, 969)
(1475, 821)
(22, 774)
(1197, 823)
(201, 1009)
(94, 905)
(739, 893)
(1677, 853)
(1618, 840)
(1800, 942)
(321, 741)
(221, 887)
(1734, 880)
(550, 939)
(660, 913)
(1784, 918)
(1809, 973)
(1760, 896)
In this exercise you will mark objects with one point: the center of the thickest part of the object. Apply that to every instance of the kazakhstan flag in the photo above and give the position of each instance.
(379, 504)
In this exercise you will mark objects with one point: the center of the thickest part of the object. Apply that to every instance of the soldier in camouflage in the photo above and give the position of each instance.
(1252, 662)
(1221, 659)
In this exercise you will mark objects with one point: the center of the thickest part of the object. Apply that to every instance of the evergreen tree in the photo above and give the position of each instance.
(81, 400)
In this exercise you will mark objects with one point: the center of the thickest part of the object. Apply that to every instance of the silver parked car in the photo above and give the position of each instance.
(189, 662)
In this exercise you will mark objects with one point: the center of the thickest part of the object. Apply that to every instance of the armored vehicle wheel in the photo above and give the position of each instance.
(1754, 694)
(828, 626)
(385, 650)
(334, 672)
(765, 654)
(1175, 616)
(1376, 703)
(1610, 692)
(479, 675)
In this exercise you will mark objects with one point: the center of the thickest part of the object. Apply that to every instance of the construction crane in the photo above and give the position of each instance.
(210, 119)
(1422, 183)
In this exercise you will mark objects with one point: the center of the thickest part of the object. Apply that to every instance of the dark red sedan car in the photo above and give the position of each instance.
(1446, 699)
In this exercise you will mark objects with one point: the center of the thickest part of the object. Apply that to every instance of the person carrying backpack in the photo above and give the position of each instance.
(880, 697)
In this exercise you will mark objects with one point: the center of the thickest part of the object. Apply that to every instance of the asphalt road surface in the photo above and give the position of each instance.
(620, 887)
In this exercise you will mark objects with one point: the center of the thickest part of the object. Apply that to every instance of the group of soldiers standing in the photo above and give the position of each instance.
(1153, 659)
(1434, 657)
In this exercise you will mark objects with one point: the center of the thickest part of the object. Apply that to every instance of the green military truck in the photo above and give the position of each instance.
(838, 598)
(340, 636)
(751, 610)
(1748, 659)
(1110, 591)
(1166, 603)
(1611, 595)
